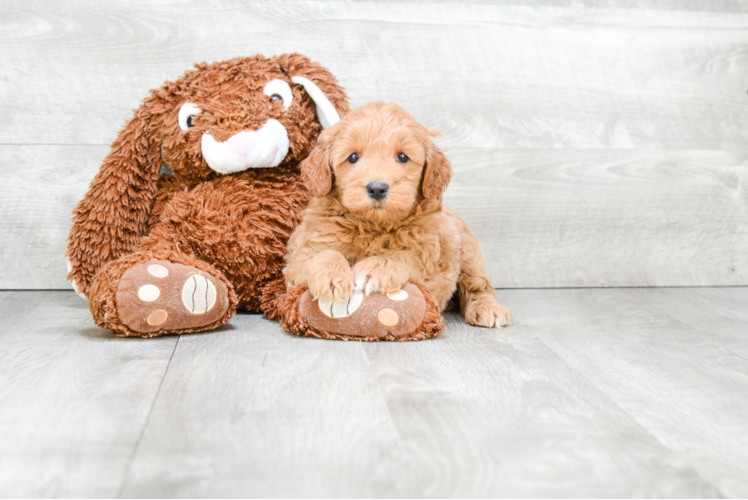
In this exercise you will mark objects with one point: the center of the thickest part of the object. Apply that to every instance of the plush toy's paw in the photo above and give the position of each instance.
(405, 314)
(487, 311)
(158, 295)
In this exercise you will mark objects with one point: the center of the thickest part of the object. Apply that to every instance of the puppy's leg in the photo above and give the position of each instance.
(329, 276)
(385, 273)
(478, 303)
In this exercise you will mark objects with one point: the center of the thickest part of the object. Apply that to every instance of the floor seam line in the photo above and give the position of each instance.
(379, 389)
(135, 449)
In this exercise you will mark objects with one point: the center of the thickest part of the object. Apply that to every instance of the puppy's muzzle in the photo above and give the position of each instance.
(377, 190)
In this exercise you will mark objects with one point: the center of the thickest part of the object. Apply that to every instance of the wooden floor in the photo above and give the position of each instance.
(592, 392)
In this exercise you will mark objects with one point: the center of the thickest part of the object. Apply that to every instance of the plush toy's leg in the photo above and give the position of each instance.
(412, 313)
(151, 293)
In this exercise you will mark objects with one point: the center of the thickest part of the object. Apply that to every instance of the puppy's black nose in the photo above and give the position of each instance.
(377, 189)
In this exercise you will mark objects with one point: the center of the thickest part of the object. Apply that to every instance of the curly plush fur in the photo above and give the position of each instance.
(232, 226)
(348, 238)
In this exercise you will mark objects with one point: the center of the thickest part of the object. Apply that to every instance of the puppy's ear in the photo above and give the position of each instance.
(436, 174)
(113, 216)
(316, 169)
(328, 96)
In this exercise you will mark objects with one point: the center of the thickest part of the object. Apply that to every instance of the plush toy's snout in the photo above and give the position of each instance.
(267, 145)
(263, 148)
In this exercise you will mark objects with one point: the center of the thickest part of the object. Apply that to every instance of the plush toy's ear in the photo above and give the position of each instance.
(436, 173)
(113, 216)
(316, 169)
(328, 96)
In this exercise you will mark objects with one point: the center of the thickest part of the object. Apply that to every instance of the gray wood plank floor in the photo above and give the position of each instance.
(592, 392)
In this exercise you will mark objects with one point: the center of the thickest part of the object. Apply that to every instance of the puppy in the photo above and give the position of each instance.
(378, 221)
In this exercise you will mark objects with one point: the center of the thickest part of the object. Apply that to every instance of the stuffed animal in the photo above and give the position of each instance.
(155, 253)
(377, 256)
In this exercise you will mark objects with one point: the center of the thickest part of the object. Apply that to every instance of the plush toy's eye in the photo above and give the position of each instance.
(402, 158)
(353, 158)
(278, 89)
(186, 115)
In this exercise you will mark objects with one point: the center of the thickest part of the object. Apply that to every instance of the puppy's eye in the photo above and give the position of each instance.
(276, 98)
(353, 158)
(402, 158)
(187, 115)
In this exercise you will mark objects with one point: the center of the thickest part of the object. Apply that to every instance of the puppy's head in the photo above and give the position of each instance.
(382, 161)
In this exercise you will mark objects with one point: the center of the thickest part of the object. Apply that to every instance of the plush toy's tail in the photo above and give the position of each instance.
(411, 313)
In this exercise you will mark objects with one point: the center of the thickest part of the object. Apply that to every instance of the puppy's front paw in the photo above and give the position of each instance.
(486, 311)
(330, 276)
(379, 274)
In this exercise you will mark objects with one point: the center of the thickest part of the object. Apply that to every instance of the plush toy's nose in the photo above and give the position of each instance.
(242, 144)
(377, 189)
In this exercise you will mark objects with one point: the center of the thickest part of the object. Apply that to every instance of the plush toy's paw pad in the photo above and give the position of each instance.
(397, 314)
(160, 295)
(341, 308)
(198, 294)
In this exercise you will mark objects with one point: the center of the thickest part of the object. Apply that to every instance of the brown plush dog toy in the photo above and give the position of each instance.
(378, 256)
(157, 254)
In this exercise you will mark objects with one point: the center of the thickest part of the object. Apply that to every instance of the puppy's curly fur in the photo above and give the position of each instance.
(349, 238)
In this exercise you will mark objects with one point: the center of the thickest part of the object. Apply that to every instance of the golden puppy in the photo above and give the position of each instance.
(377, 221)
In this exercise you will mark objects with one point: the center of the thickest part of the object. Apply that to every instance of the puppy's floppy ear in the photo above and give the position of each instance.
(436, 173)
(328, 96)
(316, 169)
(113, 216)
